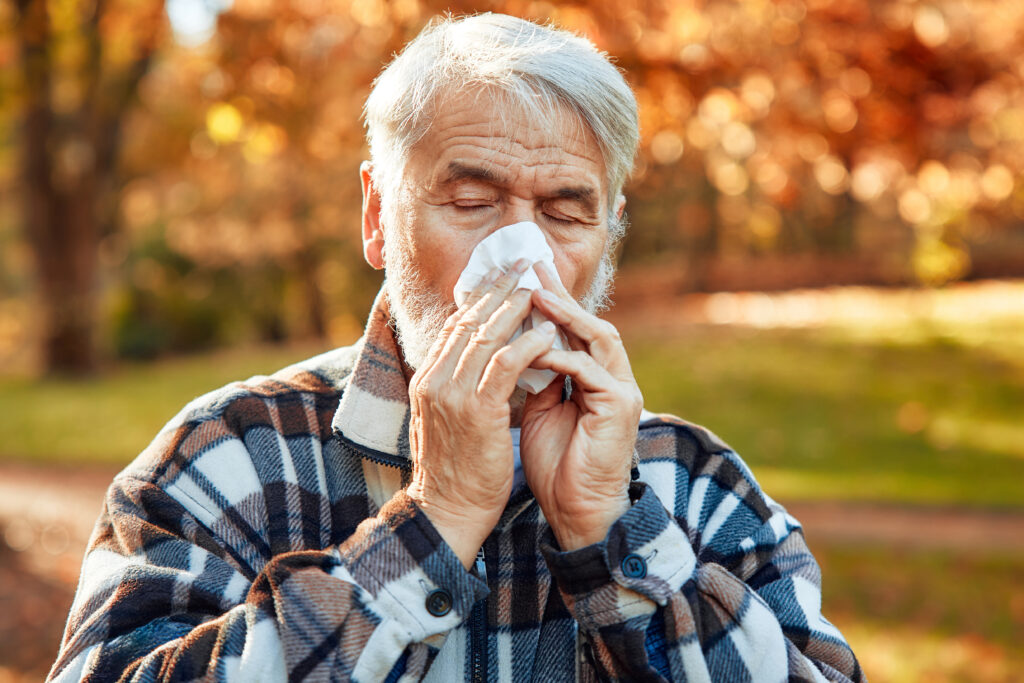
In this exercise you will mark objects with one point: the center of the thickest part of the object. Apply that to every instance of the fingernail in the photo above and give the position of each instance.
(521, 266)
(492, 275)
(547, 328)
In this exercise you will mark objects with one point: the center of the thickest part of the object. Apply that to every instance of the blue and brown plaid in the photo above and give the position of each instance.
(263, 535)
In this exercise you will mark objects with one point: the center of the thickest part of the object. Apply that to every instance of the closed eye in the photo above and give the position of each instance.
(470, 204)
(560, 219)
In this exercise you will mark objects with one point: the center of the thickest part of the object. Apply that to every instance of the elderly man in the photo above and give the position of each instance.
(399, 509)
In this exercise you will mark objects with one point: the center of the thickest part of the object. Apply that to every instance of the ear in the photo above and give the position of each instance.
(373, 236)
(620, 206)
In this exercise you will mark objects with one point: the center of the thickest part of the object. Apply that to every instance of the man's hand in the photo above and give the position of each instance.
(460, 417)
(577, 454)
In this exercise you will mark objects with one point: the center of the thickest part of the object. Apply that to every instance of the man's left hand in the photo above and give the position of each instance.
(577, 454)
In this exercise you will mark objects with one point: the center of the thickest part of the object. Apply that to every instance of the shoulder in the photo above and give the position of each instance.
(688, 465)
(295, 402)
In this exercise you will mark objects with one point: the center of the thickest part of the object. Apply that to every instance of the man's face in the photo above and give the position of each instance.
(476, 170)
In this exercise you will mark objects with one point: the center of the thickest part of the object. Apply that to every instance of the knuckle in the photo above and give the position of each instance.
(466, 325)
(504, 360)
(610, 331)
(483, 336)
(420, 391)
(448, 400)
(507, 275)
(509, 306)
(509, 280)
(636, 401)
(431, 388)
(445, 402)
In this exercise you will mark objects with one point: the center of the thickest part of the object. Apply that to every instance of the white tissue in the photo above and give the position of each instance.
(502, 248)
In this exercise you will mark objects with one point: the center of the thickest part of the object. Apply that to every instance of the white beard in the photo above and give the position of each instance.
(419, 313)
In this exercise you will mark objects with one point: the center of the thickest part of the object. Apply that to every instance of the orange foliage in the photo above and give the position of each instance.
(893, 131)
(816, 125)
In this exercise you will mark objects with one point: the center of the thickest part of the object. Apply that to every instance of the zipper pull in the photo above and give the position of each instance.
(481, 566)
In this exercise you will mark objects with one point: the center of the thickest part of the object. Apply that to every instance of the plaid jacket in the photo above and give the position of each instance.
(264, 535)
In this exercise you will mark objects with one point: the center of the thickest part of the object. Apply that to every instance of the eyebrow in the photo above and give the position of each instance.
(456, 171)
(583, 195)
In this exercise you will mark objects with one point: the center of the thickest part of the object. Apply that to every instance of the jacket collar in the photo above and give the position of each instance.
(373, 415)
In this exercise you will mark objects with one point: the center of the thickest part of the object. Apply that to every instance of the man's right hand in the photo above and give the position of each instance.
(460, 417)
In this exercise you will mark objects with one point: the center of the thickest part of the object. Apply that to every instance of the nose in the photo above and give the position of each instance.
(518, 210)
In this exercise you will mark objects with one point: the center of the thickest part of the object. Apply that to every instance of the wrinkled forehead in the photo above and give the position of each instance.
(520, 119)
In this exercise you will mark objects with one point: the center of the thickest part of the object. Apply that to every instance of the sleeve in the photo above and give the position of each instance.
(161, 598)
(745, 605)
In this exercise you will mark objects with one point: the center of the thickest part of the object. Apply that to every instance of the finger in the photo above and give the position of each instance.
(468, 320)
(493, 296)
(575, 343)
(601, 337)
(505, 366)
(474, 296)
(552, 283)
(550, 280)
(586, 373)
(482, 287)
(491, 336)
(477, 293)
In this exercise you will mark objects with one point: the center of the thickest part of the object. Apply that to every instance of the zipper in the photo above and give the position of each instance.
(379, 457)
(478, 633)
(478, 615)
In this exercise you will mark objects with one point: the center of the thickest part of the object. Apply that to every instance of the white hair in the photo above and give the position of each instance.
(538, 68)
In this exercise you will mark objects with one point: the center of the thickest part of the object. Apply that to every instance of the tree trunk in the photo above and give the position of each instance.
(59, 214)
(66, 243)
(70, 165)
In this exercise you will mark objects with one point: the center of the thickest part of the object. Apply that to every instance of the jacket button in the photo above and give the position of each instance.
(634, 566)
(439, 602)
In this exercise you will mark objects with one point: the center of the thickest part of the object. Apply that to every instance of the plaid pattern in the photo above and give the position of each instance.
(263, 535)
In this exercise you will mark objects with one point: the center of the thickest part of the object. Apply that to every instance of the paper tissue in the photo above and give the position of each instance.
(502, 248)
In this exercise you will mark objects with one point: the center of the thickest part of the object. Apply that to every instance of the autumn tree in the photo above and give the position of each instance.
(891, 133)
(889, 130)
(80, 63)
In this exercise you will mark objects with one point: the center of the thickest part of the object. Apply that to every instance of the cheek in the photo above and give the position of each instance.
(440, 258)
(577, 263)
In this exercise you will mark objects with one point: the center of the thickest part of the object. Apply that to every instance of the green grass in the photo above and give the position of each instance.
(829, 414)
(927, 615)
(860, 583)
(109, 419)
(909, 412)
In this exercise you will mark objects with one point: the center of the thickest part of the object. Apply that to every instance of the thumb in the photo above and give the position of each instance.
(547, 399)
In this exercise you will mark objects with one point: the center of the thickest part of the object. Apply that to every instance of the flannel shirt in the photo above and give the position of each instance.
(264, 535)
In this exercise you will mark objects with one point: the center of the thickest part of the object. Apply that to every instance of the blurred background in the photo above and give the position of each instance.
(825, 266)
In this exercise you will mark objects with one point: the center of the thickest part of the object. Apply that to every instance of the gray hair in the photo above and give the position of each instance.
(539, 68)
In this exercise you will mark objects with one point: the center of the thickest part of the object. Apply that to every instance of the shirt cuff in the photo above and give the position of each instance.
(644, 559)
(413, 575)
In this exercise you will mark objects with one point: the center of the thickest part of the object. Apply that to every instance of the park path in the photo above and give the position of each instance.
(55, 507)
(47, 514)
